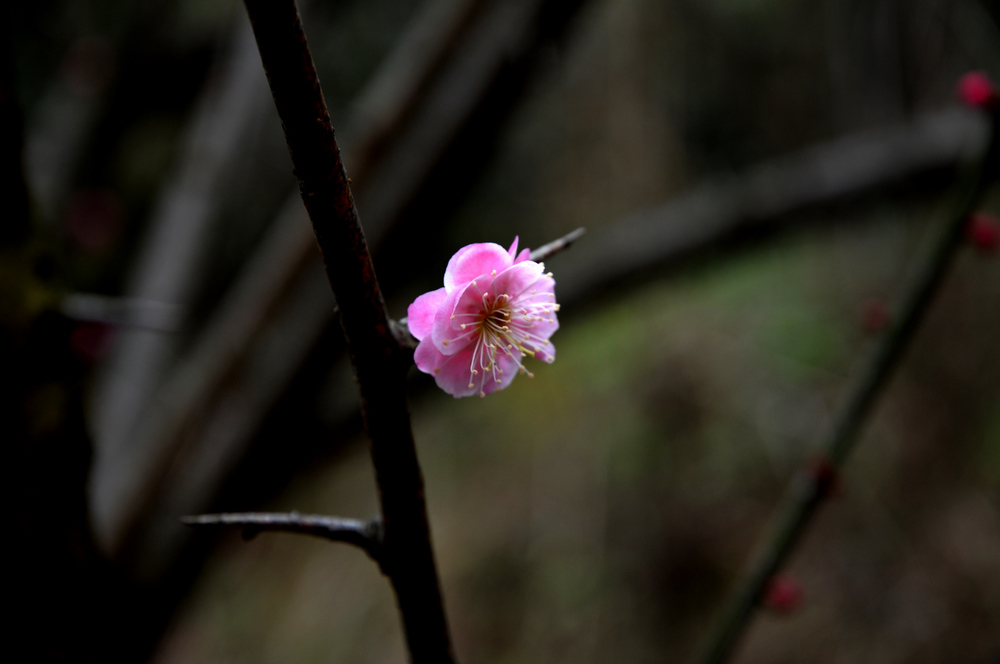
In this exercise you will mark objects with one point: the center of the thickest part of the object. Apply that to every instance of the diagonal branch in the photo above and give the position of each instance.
(557, 245)
(407, 556)
(366, 535)
(809, 489)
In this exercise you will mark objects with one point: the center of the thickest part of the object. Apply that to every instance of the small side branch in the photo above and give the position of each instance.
(558, 245)
(366, 535)
(812, 486)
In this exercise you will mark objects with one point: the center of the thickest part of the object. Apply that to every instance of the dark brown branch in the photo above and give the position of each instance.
(407, 556)
(809, 489)
(366, 535)
(279, 308)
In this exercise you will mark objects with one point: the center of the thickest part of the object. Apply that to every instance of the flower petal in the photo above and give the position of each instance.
(460, 306)
(518, 279)
(507, 368)
(420, 314)
(452, 373)
(512, 252)
(525, 255)
(475, 260)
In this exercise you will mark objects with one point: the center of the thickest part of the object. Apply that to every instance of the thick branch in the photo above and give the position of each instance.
(217, 394)
(407, 555)
(811, 487)
(366, 535)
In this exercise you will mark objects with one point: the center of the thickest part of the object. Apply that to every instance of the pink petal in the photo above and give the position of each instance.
(447, 333)
(546, 352)
(525, 255)
(518, 279)
(508, 365)
(452, 373)
(420, 314)
(512, 252)
(473, 261)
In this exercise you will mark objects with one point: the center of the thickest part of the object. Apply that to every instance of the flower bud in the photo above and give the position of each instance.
(983, 231)
(783, 594)
(976, 90)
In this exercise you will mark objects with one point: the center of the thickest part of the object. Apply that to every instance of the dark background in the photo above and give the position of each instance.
(595, 513)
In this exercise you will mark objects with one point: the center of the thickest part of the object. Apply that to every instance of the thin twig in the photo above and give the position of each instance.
(366, 535)
(554, 247)
(812, 485)
(407, 555)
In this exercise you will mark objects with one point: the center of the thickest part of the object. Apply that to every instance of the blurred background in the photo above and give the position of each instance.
(758, 178)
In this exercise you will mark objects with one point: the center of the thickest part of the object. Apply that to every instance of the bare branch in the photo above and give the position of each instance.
(210, 398)
(366, 535)
(554, 247)
(407, 555)
(809, 489)
(279, 308)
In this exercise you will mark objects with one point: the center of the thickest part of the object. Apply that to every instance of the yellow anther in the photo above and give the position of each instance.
(463, 324)
(437, 371)
(445, 342)
(493, 273)
(548, 274)
(471, 385)
(475, 373)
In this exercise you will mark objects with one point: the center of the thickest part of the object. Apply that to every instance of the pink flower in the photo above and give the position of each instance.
(496, 307)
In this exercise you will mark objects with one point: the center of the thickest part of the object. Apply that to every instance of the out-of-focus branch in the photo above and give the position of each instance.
(811, 486)
(765, 196)
(407, 556)
(122, 311)
(366, 535)
(168, 267)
